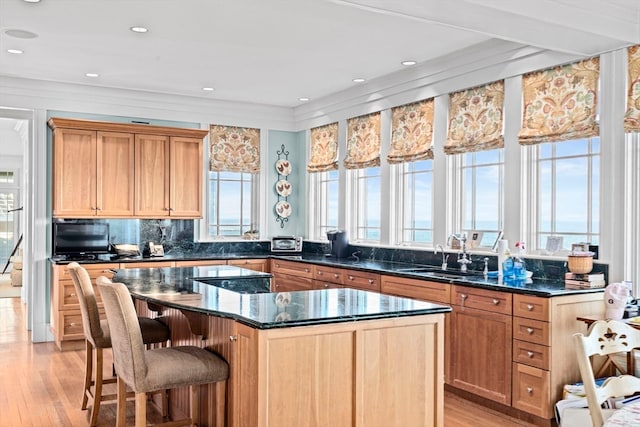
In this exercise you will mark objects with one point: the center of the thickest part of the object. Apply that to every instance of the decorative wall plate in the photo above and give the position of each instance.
(283, 209)
(283, 188)
(283, 167)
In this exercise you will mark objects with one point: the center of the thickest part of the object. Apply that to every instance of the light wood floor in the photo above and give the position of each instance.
(41, 387)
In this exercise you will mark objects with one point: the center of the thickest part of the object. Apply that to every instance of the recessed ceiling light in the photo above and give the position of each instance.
(139, 29)
(359, 80)
(92, 75)
(32, 1)
(207, 89)
(15, 51)
(408, 62)
(303, 99)
(20, 34)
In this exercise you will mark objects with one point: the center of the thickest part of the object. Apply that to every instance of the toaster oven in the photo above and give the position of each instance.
(286, 244)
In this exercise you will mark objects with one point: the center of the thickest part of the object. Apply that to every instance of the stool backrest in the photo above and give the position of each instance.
(605, 337)
(88, 305)
(126, 336)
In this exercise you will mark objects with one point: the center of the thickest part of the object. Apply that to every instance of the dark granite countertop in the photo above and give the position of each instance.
(180, 288)
(536, 286)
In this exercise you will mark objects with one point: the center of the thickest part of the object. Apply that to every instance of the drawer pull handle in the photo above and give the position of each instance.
(463, 296)
(496, 301)
(233, 338)
(529, 354)
(72, 324)
(306, 270)
(529, 390)
(319, 273)
(529, 331)
(336, 275)
(326, 285)
(529, 307)
(371, 281)
(72, 294)
(350, 277)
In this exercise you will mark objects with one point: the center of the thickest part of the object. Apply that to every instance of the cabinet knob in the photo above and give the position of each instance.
(306, 270)
(277, 265)
(167, 209)
(496, 301)
(463, 296)
(72, 294)
(529, 354)
(233, 338)
(529, 331)
(326, 285)
(336, 275)
(350, 277)
(371, 281)
(529, 307)
(319, 273)
(529, 390)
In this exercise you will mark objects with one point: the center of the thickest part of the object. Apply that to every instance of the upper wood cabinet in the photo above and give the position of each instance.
(125, 170)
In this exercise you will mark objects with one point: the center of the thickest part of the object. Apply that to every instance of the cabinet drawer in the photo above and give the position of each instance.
(328, 274)
(200, 263)
(531, 354)
(531, 330)
(418, 289)
(321, 284)
(362, 280)
(94, 271)
(148, 264)
(251, 264)
(70, 324)
(68, 298)
(292, 268)
(482, 299)
(531, 307)
(285, 283)
(531, 390)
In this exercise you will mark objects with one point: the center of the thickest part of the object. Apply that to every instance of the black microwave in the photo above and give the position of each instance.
(286, 244)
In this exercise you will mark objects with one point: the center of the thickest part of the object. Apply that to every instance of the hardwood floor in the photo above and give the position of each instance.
(41, 386)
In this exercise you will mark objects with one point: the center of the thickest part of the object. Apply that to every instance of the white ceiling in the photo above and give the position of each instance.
(276, 51)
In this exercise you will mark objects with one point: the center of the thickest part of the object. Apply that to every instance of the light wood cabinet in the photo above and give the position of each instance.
(481, 343)
(117, 170)
(257, 264)
(93, 173)
(373, 373)
(66, 319)
(291, 276)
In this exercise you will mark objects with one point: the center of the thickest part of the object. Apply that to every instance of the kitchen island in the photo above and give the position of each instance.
(337, 357)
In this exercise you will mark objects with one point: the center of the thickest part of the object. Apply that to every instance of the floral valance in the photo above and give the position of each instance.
(324, 148)
(363, 142)
(632, 117)
(411, 132)
(475, 119)
(234, 149)
(560, 103)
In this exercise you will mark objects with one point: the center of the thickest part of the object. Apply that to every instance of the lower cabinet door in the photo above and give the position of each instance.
(481, 352)
(531, 390)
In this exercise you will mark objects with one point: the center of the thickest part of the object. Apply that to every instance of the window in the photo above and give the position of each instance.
(567, 177)
(416, 224)
(231, 208)
(365, 204)
(481, 193)
(6, 177)
(328, 198)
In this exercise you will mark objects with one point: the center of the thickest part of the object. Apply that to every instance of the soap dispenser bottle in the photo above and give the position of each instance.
(519, 265)
(507, 265)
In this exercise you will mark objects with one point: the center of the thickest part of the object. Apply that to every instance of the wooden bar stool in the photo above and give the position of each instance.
(147, 370)
(98, 337)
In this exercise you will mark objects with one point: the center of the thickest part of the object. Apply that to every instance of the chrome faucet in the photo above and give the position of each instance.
(462, 256)
(445, 256)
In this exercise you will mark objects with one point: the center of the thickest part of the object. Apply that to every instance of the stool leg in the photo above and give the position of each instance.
(121, 405)
(88, 373)
(97, 394)
(194, 404)
(141, 409)
(221, 393)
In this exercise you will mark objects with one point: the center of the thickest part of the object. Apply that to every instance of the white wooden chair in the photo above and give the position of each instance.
(605, 338)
